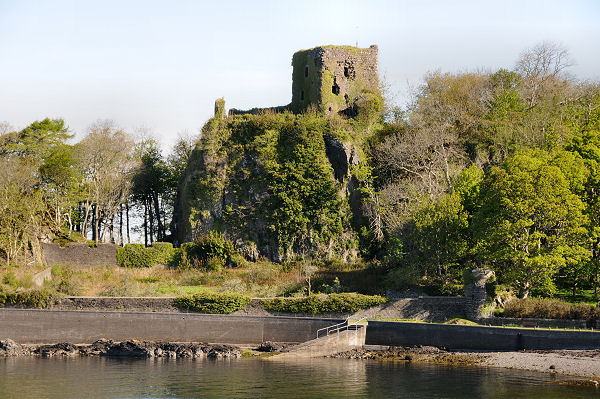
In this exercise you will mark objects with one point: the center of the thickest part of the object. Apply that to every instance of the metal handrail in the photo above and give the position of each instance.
(336, 328)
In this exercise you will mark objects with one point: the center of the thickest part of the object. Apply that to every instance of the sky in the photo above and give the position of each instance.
(160, 65)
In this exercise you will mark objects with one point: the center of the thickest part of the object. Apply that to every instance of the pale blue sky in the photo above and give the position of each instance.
(161, 64)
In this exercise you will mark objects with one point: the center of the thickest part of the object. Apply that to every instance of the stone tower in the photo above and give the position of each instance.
(334, 78)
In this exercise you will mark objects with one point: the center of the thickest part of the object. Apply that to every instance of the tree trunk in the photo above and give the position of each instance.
(145, 224)
(94, 223)
(524, 291)
(97, 224)
(70, 221)
(85, 219)
(121, 224)
(111, 229)
(160, 229)
(151, 219)
(127, 217)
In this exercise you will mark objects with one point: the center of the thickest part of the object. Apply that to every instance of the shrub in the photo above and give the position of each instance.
(137, 255)
(27, 299)
(10, 279)
(318, 304)
(215, 303)
(214, 264)
(180, 259)
(549, 308)
(211, 252)
(162, 252)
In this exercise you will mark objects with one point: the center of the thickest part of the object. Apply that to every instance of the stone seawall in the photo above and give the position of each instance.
(78, 327)
(79, 254)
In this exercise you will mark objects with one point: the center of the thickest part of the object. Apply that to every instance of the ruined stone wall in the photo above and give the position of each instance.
(79, 254)
(333, 78)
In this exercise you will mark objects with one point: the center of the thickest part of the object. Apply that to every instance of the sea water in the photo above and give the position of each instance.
(93, 377)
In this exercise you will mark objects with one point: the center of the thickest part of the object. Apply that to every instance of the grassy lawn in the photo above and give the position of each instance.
(583, 295)
(260, 279)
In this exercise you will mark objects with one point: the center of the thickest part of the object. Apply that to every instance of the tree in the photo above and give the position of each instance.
(441, 236)
(541, 67)
(36, 140)
(586, 143)
(150, 186)
(530, 223)
(59, 179)
(21, 205)
(106, 158)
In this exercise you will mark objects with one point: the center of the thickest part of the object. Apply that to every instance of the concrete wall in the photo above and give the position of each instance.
(79, 254)
(42, 326)
(477, 337)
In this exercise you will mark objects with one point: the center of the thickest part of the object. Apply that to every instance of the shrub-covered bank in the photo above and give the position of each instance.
(549, 308)
(207, 302)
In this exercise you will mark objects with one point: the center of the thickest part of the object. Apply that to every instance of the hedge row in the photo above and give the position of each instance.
(27, 299)
(211, 302)
(137, 255)
(548, 308)
(319, 304)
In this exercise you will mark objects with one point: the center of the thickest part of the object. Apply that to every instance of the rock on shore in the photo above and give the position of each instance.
(131, 348)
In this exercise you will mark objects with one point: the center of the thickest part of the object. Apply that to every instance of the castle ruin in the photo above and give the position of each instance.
(333, 78)
(330, 79)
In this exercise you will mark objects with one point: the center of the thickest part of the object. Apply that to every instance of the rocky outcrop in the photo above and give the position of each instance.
(341, 157)
(275, 184)
(271, 347)
(8, 347)
(132, 348)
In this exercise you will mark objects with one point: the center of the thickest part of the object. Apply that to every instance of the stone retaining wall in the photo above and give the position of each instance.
(540, 323)
(79, 254)
(116, 304)
(431, 308)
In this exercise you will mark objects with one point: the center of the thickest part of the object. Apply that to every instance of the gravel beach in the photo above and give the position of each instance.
(576, 363)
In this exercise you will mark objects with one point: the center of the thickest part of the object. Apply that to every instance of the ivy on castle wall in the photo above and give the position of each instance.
(267, 177)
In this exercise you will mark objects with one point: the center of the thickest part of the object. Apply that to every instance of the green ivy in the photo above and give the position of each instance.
(319, 304)
(214, 303)
(211, 252)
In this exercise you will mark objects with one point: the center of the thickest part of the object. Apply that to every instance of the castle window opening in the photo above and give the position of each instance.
(306, 71)
(346, 72)
(302, 95)
(335, 89)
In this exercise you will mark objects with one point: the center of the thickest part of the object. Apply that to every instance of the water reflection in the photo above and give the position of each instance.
(251, 378)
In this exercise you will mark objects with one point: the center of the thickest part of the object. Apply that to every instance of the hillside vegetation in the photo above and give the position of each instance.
(495, 170)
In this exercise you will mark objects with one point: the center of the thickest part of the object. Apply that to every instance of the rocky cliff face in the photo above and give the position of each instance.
(277, 185)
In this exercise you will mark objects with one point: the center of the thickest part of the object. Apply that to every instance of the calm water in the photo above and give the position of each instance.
(251, 378)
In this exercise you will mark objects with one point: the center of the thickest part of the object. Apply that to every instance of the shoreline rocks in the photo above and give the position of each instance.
(131, 348)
